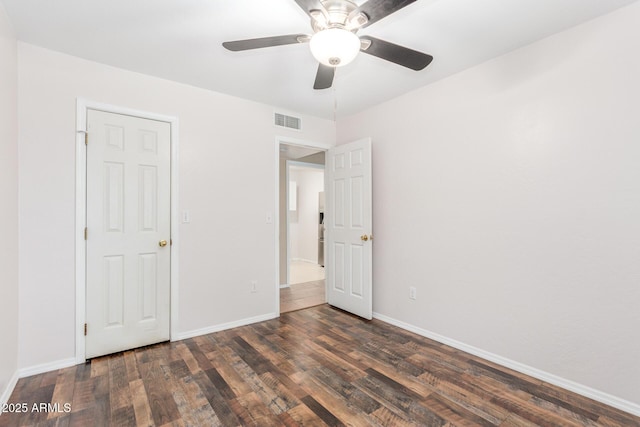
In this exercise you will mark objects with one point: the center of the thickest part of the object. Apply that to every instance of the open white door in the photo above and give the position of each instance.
(349, 228)
(128, 232)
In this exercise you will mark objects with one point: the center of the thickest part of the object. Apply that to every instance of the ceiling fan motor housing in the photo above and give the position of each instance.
(336, 14)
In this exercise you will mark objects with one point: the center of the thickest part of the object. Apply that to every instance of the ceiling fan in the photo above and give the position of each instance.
(334, 42)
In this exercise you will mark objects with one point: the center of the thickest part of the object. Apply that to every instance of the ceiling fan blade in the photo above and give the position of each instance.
(324, 77)
(249, 44)
(378, 9)
(309, 5)
(397, 54)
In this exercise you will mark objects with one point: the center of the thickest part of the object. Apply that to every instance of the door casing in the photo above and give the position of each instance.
(276, 217)
(82, 105)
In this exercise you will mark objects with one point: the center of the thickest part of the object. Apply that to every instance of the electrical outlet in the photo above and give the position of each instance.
(412, 292)
(254, 286)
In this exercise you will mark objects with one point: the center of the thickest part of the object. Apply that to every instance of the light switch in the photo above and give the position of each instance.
(186, 217)
(269, 218)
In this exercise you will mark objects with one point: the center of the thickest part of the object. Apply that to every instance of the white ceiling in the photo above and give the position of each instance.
(181, 40)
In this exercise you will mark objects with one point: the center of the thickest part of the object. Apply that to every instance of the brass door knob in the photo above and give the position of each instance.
(364, 237)
(162, 243)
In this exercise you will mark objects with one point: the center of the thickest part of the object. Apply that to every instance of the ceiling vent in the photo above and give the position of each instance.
(288, 121)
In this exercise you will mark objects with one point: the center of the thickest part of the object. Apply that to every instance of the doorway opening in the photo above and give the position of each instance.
(301, 227)
(348, 224)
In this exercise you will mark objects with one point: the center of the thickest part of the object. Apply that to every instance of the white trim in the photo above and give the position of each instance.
(285, 286)
(225, 326)
(276, 221)
(300, 143)
(11, 385)
(175, 228)
(47, 367)
(287, 221)
(81, 220)
(82, 105)
(289, 141)
(566, 384)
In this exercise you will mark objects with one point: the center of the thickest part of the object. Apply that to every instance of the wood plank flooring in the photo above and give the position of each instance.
(302, 295)
(313, 367)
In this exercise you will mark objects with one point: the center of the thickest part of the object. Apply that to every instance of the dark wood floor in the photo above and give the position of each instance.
(314, 367)
(302, 295)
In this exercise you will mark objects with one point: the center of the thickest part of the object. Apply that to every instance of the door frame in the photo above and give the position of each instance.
(82, 105)
(276, 217)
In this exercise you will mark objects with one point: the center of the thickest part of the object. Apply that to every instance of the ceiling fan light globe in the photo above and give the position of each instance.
(334, 47)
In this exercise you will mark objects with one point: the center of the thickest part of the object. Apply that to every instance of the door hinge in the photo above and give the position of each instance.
(86, 136)
(85, 233)
(170, 242)
(85, 329)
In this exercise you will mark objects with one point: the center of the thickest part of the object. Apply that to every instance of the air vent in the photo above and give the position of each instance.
(288, 121)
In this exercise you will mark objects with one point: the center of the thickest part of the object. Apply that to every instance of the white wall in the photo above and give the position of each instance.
(227, 181)
(509, 196)
(8, 204)
(303, 224)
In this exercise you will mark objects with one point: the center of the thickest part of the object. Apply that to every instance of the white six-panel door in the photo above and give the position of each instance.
(349, 228)
(128, 223)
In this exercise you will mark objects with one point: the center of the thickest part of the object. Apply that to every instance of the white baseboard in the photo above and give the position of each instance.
(6, 393)
(581, 389)
(66, 363)
(47, 367)
(286, 285)
(224, 326)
